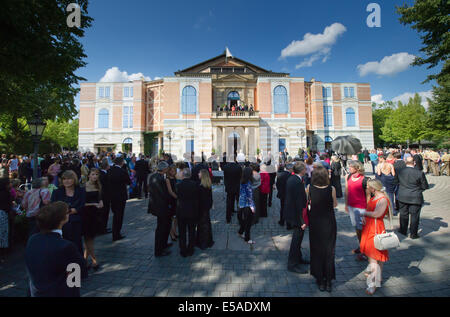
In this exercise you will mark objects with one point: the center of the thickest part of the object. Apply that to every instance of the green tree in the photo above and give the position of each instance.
(63, 134)
(431, 18)
(406, 122)
(39, 56)
(380, 113)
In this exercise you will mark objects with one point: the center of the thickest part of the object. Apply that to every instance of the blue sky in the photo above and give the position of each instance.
(157, 38)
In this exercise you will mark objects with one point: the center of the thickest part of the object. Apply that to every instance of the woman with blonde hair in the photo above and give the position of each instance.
(378, 207)
(204, 229)
(75, 196)
(91, 214)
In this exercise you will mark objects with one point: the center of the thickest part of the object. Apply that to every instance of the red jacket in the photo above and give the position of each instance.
(265, 183)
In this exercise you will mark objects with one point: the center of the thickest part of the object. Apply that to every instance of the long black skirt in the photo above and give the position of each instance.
(204, 231)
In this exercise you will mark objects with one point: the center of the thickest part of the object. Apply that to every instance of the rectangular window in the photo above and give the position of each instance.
(326, 92)
(106, 92)
(127, 117)
(352, 92)
(281, 144)
(131, 91)
(327, 116)
(189, 146)
(101, 93)
(126, 92)
(346, 94)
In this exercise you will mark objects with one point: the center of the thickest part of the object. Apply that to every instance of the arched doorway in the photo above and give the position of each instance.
(127, 145)
(234, 143)
(233, 99)
(328, 141)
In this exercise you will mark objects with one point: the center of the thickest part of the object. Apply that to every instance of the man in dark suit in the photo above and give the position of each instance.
(142, 170)
(158, 205)
(118, 180)
(412, 182)
(399, 164)
(282, 178)
(232, 173)
(106, 197)
(418, 159)
(48, 255)
(293, 210)
(188, 193)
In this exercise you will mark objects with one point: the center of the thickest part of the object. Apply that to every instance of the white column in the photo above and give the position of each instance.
(247, 148)
(224, 140)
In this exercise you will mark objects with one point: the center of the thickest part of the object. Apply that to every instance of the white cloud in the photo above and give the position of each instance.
(114, 75)
(404, 98)
(314, 43)
(378, 99)
(307, 62)
(389, 65)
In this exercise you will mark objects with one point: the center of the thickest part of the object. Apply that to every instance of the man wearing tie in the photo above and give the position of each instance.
(293, 210)
(118, 180)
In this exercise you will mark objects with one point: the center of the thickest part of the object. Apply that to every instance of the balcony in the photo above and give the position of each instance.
(235, 115)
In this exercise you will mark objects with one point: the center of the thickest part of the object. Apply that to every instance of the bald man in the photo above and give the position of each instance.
(412, 183)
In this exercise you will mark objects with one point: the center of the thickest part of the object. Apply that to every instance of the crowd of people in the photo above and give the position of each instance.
(74, 192)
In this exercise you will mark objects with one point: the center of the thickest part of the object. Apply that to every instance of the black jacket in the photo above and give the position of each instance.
(158, 203)
(47, 256)
(118, 180)
(412, 183)
(77, 201)
(295, 201)
(232, 173)
(282, 178)
(105, 185)
(188, 202)
(142, 169)
(205, 199)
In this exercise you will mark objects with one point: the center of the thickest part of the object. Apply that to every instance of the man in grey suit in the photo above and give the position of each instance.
(295, 201)
(412, 182)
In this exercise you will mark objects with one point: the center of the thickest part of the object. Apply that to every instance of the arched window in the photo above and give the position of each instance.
(189, 100)
(234, 95)
(280, 100)
(103, 119)
(350, 117)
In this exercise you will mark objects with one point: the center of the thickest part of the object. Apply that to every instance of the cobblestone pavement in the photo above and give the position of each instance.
(233, 268)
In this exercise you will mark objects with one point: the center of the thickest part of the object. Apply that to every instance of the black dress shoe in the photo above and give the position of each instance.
(322, 286)
(119, 238)
(164, 253)
(96, 268)
(303, 261)
(328, 288)
(414, 236)
(297, 269)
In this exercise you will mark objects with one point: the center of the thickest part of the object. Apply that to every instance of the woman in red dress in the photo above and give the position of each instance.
(377, 209)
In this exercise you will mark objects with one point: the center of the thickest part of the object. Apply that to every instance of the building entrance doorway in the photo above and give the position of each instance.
(127, 146)
(234, 143)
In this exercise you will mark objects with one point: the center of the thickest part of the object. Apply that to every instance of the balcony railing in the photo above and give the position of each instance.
(235, 114)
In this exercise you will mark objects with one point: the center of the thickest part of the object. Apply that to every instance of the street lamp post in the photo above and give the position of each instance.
(37, 127)
(169, 135)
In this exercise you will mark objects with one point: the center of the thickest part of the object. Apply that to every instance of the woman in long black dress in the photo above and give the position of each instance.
(204, 229)
(322, 228)
(336, 168)
(91, 213)
(171, 182)
(75, 197)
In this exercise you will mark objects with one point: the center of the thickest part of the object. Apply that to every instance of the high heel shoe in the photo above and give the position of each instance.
(173, 239)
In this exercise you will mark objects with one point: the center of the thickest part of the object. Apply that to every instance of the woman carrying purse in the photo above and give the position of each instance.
(378, 207)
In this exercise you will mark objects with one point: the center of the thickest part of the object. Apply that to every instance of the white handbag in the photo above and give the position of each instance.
(386, 240)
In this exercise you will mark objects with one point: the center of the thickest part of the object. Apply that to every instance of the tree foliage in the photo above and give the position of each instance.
(38, 59)
(380, 113)
(405, 123)
(431, 18)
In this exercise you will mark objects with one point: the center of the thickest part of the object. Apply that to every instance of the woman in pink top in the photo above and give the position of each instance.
(54, 170)
(264, 189)
(355, 198)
